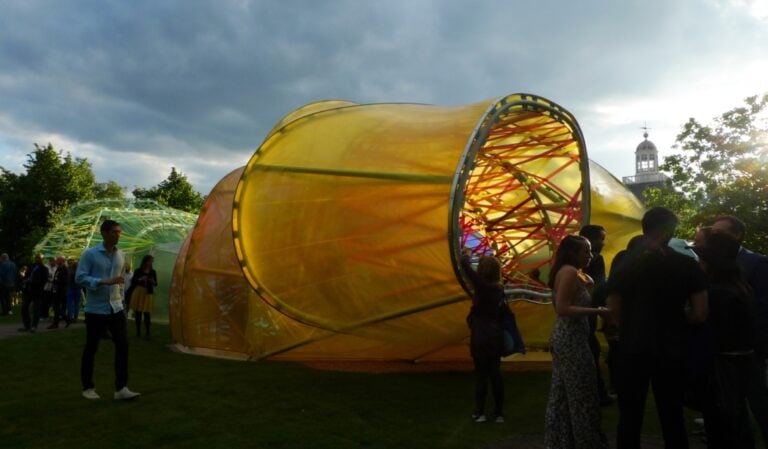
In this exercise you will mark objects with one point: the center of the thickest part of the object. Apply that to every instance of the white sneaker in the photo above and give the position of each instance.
(125, 394)
(499, 419)
(90, 394)
(479, 418)
(699, 421)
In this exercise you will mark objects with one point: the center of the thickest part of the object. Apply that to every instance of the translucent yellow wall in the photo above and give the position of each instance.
(213, 309)
(342, 216)
(615, 208)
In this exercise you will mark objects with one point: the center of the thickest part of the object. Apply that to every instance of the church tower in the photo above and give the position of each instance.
(647, 172)
(646, 157)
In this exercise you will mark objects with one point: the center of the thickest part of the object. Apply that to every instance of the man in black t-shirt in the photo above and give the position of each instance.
(655, 293)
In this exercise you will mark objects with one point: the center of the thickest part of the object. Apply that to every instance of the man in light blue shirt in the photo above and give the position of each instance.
(100, 271)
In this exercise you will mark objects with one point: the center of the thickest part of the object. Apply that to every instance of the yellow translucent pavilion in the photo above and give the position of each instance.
(340, 238)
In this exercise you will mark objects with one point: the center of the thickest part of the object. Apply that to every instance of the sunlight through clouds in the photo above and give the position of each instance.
(756, 8)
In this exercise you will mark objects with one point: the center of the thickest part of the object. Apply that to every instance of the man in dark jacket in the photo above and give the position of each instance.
(596, 270)
(60, 293)
(8, 274)
(37, 276)
(754, 267)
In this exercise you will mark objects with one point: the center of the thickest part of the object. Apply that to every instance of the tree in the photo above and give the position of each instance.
(721, 169)
(109, 189)
(32, 202)
(175, 191)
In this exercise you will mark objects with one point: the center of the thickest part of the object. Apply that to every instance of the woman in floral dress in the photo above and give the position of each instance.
(573, 417)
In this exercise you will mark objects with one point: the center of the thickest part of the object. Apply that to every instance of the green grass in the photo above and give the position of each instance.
(197, 402)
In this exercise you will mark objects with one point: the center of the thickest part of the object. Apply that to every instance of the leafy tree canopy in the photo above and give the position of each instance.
(32, 202)
(109, 189)
(721, 169)
(175, 191)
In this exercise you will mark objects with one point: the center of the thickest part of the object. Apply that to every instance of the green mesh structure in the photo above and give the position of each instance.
(148, 228)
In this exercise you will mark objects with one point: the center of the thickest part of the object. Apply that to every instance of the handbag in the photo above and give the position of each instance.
(512, 340)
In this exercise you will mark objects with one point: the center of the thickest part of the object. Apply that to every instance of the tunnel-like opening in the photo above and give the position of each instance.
(523, 186)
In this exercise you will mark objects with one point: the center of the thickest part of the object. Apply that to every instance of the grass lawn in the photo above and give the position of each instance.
(190, 401)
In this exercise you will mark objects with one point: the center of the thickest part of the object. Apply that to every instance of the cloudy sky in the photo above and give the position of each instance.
(137, 87)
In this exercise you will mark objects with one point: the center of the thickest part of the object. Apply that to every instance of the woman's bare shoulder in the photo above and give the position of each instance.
(568, 271)
(567, 274)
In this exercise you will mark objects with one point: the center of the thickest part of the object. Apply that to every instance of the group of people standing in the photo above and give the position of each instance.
(50, 287)
(692, 327)
(53, 287)
(109, 287)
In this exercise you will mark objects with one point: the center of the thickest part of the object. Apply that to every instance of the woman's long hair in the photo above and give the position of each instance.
(567, 254)
(489, 269)
(145, 261)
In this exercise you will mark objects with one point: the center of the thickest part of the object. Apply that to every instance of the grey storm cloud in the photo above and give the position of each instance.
(211, 78)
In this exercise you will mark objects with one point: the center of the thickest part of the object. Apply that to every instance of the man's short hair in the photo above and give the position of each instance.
(107, 225)
(591, 231)
(737, 226)
(659, 221)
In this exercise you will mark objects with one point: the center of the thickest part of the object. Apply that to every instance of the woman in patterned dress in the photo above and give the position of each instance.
(573, 417)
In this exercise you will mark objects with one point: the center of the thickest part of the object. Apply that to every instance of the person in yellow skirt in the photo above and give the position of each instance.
(141, 294)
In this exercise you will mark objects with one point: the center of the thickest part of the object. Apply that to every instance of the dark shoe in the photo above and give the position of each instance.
(52, 326)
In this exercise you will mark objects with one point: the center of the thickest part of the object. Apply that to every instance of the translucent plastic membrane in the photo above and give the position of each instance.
(340, 238)
(148, 228)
